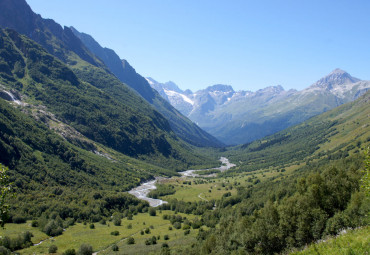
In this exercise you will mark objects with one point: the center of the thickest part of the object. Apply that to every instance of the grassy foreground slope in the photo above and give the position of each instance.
(356, 242)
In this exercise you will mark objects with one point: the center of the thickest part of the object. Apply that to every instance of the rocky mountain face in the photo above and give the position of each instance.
(236, 117)
(181, 125)
(58, 41)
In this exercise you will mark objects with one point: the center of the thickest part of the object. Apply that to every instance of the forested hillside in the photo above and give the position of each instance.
(293, 188)
(132, 128)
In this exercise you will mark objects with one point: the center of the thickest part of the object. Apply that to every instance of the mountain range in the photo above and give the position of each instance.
(182, 126)
(91, 62)
(236, 117)
(55, 76)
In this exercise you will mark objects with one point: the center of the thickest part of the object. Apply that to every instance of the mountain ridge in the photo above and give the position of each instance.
(183, 127)
(243, 116)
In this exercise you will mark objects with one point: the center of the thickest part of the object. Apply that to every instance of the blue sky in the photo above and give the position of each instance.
(247, 44)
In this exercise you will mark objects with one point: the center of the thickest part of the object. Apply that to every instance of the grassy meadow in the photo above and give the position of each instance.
(101, 239)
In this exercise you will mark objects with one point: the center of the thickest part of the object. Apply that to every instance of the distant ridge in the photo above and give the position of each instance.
(236, 117)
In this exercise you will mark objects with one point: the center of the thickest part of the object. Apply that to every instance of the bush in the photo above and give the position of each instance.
(4, 251)
(115, 247)
(92, 226)
(166, 237)
(154, 240)
(130, 240)
(70, 252)
(17, 219)
(85, 249)
(177, 225)
(152, 211)
(117, 222)
(164, 245)
(53, 248)
(129, 226)
(115, 233)
(22, 241)
(35, 224)
(185, 227)
(52, 229)
(187, 232)
(147, 231)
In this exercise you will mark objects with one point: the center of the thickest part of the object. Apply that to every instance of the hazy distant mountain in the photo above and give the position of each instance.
(237, 117)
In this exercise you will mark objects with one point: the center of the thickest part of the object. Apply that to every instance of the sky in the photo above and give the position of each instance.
(246, 44)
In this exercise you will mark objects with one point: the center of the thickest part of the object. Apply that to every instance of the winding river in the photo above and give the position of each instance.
(142, 191)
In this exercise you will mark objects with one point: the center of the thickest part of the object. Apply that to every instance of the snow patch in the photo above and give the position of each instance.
(149, 81)
(172, 93)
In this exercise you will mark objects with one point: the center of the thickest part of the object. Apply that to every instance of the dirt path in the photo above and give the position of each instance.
(202, 197)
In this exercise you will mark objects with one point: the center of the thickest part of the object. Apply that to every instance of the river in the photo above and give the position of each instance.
(142, 191)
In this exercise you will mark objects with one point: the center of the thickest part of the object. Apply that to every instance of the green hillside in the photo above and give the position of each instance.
(334, 134)
(129, 126)
(295, 187)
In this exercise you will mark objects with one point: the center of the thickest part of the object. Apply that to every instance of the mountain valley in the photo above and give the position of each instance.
(80, 128)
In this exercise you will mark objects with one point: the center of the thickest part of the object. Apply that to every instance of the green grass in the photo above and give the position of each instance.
(101, 239)
(353, 242)
(191, 193)
(176, 239)
(12, 230)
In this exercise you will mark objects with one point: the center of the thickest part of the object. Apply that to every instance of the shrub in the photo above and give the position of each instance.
(130, 240)
(177, 225)
(35, 224)
(169, 228)
(152, 211)
(185, 227)
(117, 222)
(115, 233)
(115, 247)
(92, 226)
(166, 237)
(17, 219)
(164, 245)
(69, 252)
(22, 241)
(85, 249)
(69, 222)
(187, 232)
(129, 226)
(147, 231)
(4, 251)
(52, 228)
(154, 240)
(53, 248)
